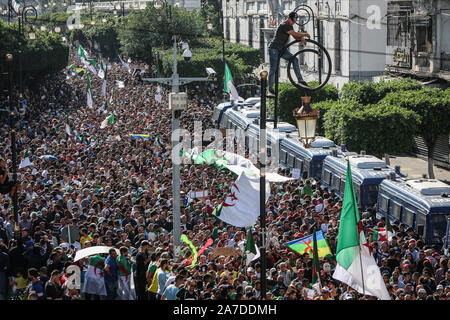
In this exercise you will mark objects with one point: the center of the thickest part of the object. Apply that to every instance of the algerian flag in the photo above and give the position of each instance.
(91, 64)
(90, 97)
(101, 71)
(82, 53)
(68, 129)
(104, 82)
(240, 208)
(93, 279)
(389, 230)
(381, 234)
(120, 84)
(25, 163)
(355, 265)
(16, 5)
(229, 85)
(108, 121)
(251, 248)
(126, 65)
(317, 284)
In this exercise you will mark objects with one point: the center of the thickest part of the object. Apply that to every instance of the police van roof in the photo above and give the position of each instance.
(428, 187)
(366, 162)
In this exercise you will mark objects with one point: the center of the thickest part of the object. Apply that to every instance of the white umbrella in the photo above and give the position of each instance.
(83, 253)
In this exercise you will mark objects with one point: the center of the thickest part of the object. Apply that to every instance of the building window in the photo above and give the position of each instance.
(227, 24)
(337, 46)
(337, 6)
(424, 39)
(250, 31)
(238, 30)
(262, 47)
(397, 31)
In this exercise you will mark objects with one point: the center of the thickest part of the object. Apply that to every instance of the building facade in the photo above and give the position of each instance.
(353, 32)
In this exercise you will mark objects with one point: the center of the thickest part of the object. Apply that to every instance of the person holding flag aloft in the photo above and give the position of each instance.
(124, 271)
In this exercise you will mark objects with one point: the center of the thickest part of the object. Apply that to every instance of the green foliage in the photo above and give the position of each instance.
(432, 106)
(143, 31)
(370, 127)
(208, 53)
(289, 98)
(373, 92)
(47, 54)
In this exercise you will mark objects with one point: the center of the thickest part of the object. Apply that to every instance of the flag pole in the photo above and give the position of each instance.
(356, 220)
(262, 182)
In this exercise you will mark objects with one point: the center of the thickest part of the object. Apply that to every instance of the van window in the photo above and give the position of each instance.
(342, 185)
(326, 176)
(408, 217)
(290, 161)
(336, 183)
(396, 210)
(298, 163)
(384, 204)
(421, 221)
(283, 156)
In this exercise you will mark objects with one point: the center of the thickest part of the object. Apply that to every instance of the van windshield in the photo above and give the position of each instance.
(439, 226)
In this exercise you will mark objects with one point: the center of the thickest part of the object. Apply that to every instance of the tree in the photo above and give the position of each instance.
(433, 107)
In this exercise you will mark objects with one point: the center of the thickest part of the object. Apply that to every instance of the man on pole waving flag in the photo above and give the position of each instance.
(355, 265)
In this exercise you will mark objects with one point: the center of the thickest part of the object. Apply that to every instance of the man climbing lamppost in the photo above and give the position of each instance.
(276, 47)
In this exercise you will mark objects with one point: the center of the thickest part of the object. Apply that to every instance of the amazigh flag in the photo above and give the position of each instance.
(72, 66)
(109, 120)
(355, 265)
(93, 280)
(240, 208)
(90, 97)
(251, 249)
(229, 85)
(305, 245)
(139, 136)
(79, 71)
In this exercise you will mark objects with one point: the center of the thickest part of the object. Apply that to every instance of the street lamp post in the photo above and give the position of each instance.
(306, 118)
(175, 81)
(262, 182)
(12, 128)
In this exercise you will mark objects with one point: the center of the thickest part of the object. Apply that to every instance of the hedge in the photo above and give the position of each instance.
(289, 98)
(372, 92)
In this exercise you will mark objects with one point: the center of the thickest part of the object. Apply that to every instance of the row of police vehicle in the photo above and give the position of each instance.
(422, 204)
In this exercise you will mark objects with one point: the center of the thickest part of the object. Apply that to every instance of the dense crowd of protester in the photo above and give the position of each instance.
(118, 192)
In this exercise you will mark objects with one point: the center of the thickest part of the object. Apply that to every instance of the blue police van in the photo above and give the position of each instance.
(293, 154)
(422, 204)
(367, 174)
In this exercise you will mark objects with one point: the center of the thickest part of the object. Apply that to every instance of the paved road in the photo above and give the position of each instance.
(416, 167)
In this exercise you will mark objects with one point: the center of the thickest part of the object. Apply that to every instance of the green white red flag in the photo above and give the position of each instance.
(355, 264)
